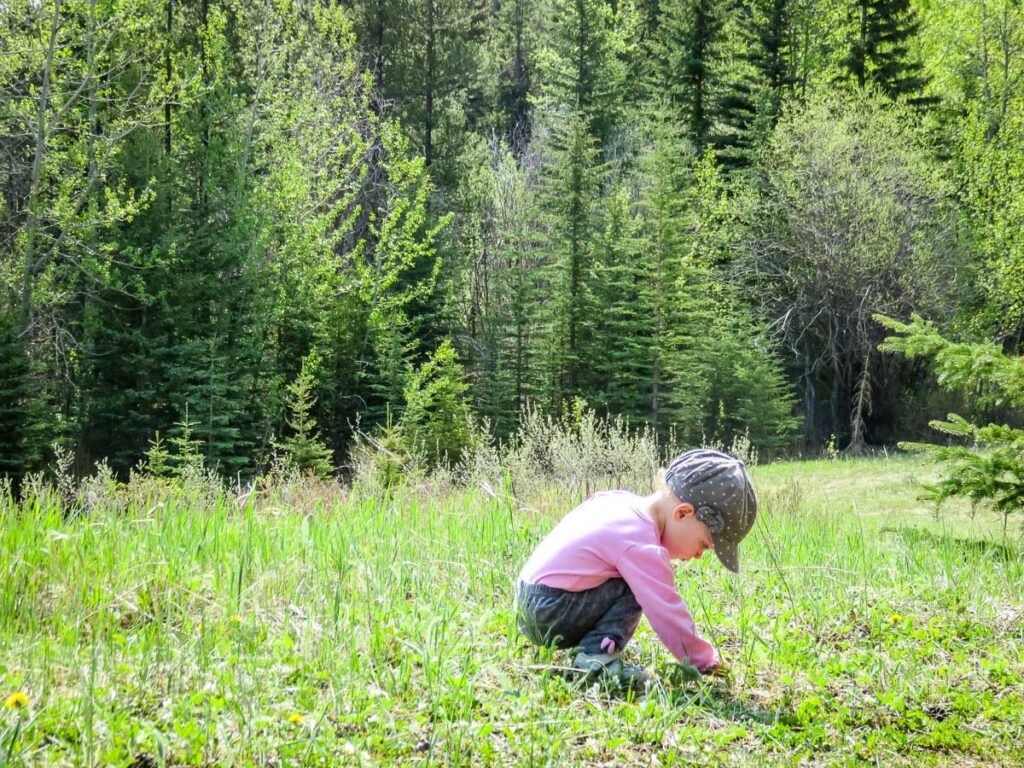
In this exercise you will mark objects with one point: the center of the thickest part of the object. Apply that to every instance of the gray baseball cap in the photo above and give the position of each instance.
(718, 487)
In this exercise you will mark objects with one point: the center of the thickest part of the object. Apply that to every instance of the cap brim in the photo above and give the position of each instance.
(729, 555)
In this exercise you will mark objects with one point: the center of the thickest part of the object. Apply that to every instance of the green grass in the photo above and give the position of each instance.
(353, 630)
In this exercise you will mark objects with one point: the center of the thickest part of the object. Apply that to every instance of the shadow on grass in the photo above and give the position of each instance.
(683, 688)
(715, 698)
(725, 704)
(963, 547)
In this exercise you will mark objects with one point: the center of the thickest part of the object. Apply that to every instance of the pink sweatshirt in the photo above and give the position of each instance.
(608, 537)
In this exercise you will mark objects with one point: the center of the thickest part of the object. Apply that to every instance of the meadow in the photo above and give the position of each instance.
(314, 624)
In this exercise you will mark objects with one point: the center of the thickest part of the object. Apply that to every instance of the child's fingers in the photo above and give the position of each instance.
(719, 670)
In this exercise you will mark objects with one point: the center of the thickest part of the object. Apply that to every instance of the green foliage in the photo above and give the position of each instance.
(833, 600)
(623, 346)
(582, 73)
(196, 194)
(202, 375)
(19, 423)
(383, 459)
(303, 450)
(853, 216)
(993, 173)
(158, 461)
(438, 418)
(690, 50)
(568, 210)
(982, 371)
(399, 274)
(991, 467)
(878, 51)
(187, 457)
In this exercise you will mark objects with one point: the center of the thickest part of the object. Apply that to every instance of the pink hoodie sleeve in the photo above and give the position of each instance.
(648, 573)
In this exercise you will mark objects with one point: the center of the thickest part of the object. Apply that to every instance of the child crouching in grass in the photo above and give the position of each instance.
(608, 561)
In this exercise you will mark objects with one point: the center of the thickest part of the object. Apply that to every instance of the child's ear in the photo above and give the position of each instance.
(685, 509)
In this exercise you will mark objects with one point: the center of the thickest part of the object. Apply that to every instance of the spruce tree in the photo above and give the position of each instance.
(570, 188)
(988, 467)
(772, 52)
(158, 461)
(19, 451)
(666, 308)
(759, 77)
(515, 43)
(438, 419)
(581, 70)
(213, 394)
(621, 352)
(879, 50)
(187, 456)
(690, 52)
(397, 280)
(499, 281)
(303, 449)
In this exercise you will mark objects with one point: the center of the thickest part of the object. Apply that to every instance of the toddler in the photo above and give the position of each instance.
(608, 561)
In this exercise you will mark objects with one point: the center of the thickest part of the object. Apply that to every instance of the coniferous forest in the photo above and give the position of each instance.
(235, 229)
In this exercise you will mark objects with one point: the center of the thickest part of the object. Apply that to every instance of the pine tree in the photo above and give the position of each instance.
(19, 450)
(570, 189)
(187, 458)
(304, 450)
(690, 62)
(879, 50)
(582, 72)
(622, 349)
(158, 462)
(438, 419)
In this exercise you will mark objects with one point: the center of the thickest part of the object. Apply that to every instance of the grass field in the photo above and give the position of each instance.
(307, 628)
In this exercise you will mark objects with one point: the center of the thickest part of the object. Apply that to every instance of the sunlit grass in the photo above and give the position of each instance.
(367, 630)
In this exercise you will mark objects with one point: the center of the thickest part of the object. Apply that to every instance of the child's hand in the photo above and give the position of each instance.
(722, 672)
(721, 669)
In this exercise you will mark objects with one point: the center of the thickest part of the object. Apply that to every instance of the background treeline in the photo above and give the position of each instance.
(247, 228)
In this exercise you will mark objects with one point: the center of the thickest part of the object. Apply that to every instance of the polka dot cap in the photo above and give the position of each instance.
(718, 486)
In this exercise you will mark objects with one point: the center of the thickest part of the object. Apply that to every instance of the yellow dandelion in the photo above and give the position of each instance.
(895, 617)
(16, 700)
(295, 718)
(236, 619)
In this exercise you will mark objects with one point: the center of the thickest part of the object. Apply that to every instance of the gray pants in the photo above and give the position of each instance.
(557, 617)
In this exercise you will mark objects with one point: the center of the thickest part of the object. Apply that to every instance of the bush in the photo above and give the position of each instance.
(580, 451)
(383, 459)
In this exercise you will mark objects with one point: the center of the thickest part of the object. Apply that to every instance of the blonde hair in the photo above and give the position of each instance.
(660, 484)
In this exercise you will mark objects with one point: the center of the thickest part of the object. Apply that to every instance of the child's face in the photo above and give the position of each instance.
(685, 536)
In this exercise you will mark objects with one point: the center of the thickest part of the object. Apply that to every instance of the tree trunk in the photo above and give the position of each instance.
(428, 128)
(39, 157)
